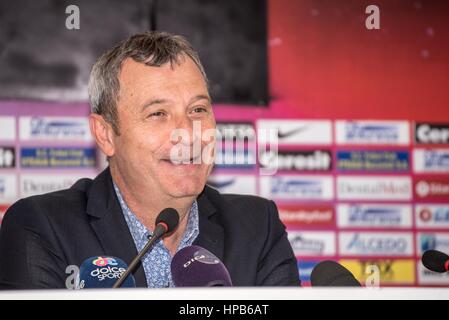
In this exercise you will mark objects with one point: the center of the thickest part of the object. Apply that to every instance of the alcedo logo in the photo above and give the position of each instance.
(104, 261)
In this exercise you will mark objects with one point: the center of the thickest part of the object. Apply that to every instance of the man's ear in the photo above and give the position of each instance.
(102, 133)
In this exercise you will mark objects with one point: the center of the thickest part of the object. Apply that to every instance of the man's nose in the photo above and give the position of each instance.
(189, 130)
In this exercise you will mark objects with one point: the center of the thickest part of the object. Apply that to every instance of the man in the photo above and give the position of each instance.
(142, 92)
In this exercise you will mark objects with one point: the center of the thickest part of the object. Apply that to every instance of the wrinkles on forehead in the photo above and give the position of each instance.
(142, 86)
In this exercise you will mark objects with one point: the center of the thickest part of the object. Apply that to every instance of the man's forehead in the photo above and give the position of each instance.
(184, 71)
(146, 83)
(181, 62)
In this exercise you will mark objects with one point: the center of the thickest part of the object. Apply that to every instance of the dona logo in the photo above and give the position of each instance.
(371, 132)
(302, 187)
(302, 244)
(377, 244)
(435, 160)
(58, 128)
(374, 215)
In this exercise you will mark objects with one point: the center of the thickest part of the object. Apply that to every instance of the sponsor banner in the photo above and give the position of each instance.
(299, 216)
(300, 161)
(34, 184)
(432, 216)
(7, 157)
(374, 216)
(3, 209)
(428, 133)
(7, 128)
(312, 243)
(434, 189)
(391, 271)
(427, 277)
(374, 188)
(239, 184)
(8, 187)
(73, 157)
(431, 160)
(432, 241)
(376, 244)
(297, 187)
(305, 269)
(372, 160)
(235, 158)
(372, 132)
(294, 132)
(54, 129)
(235, 131)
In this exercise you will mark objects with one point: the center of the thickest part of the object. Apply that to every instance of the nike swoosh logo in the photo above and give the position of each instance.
(285, 134)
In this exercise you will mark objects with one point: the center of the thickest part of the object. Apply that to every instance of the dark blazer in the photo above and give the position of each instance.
(41, 235)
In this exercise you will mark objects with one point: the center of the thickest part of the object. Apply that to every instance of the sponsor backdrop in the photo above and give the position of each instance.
(362, 120)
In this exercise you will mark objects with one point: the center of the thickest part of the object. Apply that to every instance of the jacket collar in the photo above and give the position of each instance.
(211, 236)
(108, 222)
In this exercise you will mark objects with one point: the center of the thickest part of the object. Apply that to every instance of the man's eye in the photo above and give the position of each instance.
(157, 114)
(199, 110)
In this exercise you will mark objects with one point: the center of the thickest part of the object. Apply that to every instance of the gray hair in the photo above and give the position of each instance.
(152, 48)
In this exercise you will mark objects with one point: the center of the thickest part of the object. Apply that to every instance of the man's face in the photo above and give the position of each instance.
(153, 102)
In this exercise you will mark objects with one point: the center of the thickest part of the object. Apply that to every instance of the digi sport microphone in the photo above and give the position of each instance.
(166, 222)
(194, 266)
(329, 273)
(436, 261)
(102, 272)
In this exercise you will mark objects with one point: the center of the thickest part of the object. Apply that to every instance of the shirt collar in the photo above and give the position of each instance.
(140, 233)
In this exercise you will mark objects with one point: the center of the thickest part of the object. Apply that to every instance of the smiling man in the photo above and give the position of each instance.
(152, 117)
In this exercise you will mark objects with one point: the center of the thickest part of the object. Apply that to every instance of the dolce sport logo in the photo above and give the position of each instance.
(108, 269)
(107, 273)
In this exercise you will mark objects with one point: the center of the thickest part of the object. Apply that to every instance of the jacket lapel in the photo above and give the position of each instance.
(211, 235)
(108, 222)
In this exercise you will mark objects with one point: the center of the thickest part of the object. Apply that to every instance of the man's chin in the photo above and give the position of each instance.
(183, 190)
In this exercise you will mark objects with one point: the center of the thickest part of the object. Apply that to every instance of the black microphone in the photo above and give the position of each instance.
(194, 266)
(332, 274)
(436, 261)
(166, 222)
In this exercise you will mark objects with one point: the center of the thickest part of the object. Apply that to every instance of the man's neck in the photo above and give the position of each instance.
(146, 207)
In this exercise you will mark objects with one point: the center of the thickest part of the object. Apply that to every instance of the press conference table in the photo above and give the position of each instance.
(232, 294)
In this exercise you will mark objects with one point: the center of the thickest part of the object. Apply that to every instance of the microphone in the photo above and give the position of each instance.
(194, 266)
(166, 222)
(102, 272)
(332, 274)
(436, 261)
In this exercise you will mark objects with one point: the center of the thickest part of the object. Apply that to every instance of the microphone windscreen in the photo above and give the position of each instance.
(435, 260)
(103, 272)
(332, 274)
(194, 266)
(169, 217)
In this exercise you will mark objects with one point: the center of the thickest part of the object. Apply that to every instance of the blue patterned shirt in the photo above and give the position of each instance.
(156, 263)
